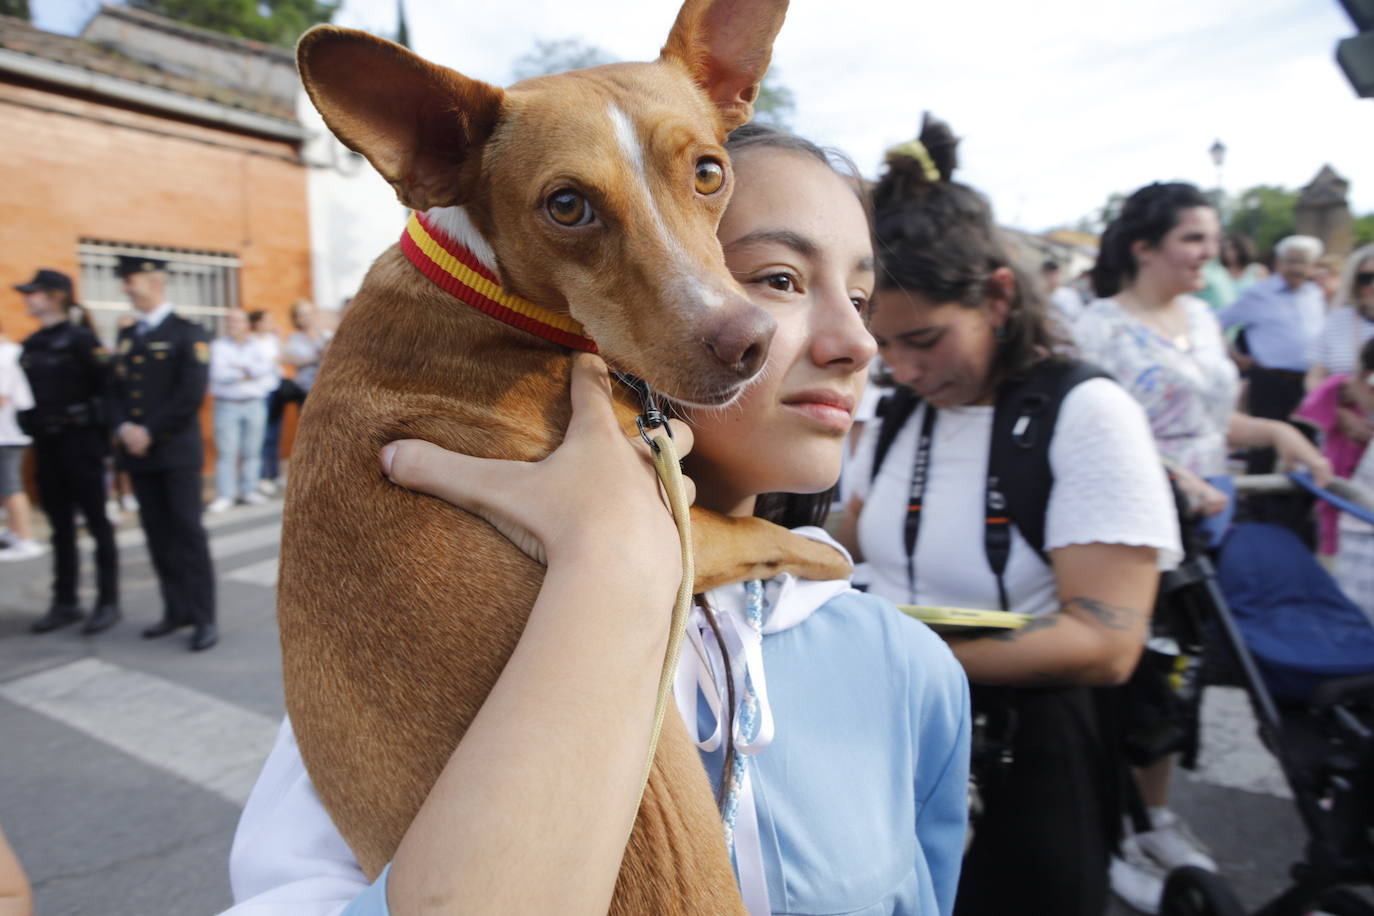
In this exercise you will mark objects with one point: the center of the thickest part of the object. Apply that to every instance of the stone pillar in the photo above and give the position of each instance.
(1322, 211)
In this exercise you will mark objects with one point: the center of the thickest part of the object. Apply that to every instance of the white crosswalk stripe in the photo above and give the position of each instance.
(216, 745)
(133, 536)
(228, 545)
(262, 573)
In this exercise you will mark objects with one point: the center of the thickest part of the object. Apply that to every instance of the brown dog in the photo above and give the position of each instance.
(595, 194)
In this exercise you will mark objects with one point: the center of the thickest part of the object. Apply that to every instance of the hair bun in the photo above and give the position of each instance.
(940, 142)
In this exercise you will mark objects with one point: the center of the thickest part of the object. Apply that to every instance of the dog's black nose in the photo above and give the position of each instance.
(741, 341)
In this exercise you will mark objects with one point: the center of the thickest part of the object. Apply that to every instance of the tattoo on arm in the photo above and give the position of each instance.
(1035, 623)
(1111, 616)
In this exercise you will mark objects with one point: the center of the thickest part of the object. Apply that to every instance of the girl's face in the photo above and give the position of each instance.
(943, 351)
(1175, 264)
(797, 239)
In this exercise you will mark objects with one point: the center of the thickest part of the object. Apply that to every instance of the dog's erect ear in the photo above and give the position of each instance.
(416, 122)
(726, 46)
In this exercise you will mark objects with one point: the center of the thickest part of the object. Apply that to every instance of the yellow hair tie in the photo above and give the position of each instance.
(915, 149)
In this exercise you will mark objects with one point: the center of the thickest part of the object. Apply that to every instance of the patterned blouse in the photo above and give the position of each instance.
(1188, 394)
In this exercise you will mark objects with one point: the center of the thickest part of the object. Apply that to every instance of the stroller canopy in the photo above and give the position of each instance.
(1298, 625)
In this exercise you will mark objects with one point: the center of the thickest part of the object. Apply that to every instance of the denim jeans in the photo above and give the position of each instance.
(239, 427)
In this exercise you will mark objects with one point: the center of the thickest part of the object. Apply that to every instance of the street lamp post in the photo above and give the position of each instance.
(1218, 153)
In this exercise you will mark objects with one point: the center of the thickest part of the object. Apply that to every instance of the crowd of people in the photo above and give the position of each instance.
(1025, 462)
(97, 418)
(1063, 514)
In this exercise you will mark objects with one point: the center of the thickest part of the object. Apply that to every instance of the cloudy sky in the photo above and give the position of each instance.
(1060, 102)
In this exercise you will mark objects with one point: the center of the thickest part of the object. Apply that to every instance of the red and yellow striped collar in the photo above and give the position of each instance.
(458, 271)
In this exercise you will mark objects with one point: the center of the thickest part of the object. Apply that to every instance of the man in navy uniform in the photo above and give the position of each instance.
(162, 368)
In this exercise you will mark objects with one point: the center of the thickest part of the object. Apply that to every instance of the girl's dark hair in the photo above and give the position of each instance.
(936, 238)
(1242, 245)
(754, 136)
(1367, 355)
(792, 510)
(1146, 216)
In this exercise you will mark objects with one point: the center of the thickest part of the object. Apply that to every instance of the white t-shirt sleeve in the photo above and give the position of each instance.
(288, 858)
(1109, 484)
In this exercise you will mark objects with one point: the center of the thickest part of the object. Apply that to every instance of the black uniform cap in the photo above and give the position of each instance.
(129, 265)
(47, 280)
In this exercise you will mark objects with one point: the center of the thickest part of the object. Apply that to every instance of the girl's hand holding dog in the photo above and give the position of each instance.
(552, 761)
(595, 497)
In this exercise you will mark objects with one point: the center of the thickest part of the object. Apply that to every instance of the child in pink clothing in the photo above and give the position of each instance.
(1333, 406)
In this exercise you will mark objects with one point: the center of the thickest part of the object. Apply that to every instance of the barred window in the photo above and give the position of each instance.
(201, 285)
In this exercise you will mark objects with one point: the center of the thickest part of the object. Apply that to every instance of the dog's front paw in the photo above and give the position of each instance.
(732, 550)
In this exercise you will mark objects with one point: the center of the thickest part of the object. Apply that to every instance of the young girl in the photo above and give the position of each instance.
(849, 796)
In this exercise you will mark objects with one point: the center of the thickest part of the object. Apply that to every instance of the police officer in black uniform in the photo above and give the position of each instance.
(69, 370)
(162, 368)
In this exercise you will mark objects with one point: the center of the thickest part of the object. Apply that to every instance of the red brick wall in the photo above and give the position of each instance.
(75, 168)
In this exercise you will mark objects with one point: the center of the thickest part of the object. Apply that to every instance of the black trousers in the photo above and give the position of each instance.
(1044, 841)
(169, 507)
(1274, 395)
(71, 476)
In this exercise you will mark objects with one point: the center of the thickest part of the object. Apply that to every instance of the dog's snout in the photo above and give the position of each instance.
(741, 341)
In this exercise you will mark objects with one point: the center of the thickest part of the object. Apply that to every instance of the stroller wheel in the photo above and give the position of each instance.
(1344, 902)
(1193, 891)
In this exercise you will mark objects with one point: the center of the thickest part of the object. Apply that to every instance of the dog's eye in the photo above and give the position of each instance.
(568, 208)
(710, 176)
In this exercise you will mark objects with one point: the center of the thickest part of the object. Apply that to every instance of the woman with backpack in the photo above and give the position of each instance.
(1017, 481)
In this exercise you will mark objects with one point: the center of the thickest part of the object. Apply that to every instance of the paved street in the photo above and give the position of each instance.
(124, 761)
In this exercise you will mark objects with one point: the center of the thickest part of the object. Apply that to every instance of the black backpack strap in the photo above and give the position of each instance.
(893, 412)
(1019, 474)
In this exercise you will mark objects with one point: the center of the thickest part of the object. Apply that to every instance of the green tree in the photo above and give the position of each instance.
(402, 30)
(1364, 229)
(17, 8)
(1266, 213)
(557, 56)
(776, 104)
(1096, 221)
(278, 22)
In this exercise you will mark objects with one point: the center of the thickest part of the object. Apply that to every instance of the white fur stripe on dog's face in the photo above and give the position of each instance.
(638, 174)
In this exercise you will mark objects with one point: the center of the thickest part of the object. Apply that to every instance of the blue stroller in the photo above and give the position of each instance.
(1253, 608)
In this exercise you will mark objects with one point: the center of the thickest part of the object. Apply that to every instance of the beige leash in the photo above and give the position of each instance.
(670, 473)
